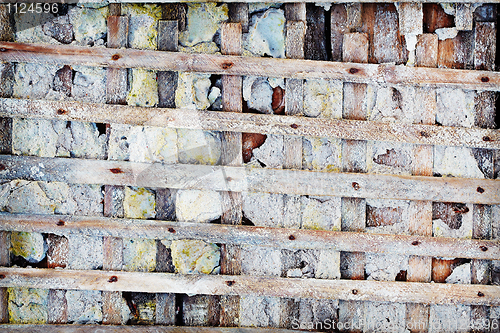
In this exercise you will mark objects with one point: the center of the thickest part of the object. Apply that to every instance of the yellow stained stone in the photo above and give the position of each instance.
(144, 88)
(139, 203)
(195, 256)
(28, 305)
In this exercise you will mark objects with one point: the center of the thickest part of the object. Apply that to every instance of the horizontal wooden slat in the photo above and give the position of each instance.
(237, 65)
(133, 329)
(250, 235)
(252, 179)
(252, 123)
(381, 291)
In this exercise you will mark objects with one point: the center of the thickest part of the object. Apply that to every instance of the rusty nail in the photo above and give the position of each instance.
(114, 278)
(480, 189)
(230, 283)
(484, 248)
(291, 237)
(356, 186)
(485, 79)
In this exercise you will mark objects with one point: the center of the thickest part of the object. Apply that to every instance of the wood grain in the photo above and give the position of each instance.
(355, 49)
(238, 179)
(249, 235)
(294, 88)
(167, 80)
(116, 93)
(431, 293)
(253, 123)
(168, 40)
(237, 65)
(420, 268)
(231, 145)
(485, 108)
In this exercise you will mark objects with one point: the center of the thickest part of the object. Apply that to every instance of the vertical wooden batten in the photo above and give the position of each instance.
(168, 40)
(420, 268)
(355, 49)
(485, 111)
(295, 44)
(232, 155)
(116, 93)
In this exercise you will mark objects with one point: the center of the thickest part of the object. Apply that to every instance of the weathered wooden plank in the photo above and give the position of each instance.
(426, 50)
(237, 65)
(302, 37)
(294, 90)
(174, 12)
(252, 123)
(57, 256)
(204, 284)
(238, 12)
(167, 80)
(386, 44)
(116, 93)
(132, 329)
(484, 59)
(168, 40)
(232, 95)
(239, 179)
(249, 235)
(485, 108)
(338, 27)
(116, 78)
(231, 145)
(355, 49)
(420, 268)
(315, 43)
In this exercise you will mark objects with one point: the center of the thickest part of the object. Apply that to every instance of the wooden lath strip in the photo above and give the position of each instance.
(359, 290)
(133, 329)
(252, 123)
(237, 65)
(251, 179)
(250, 235)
